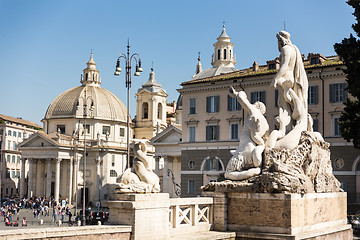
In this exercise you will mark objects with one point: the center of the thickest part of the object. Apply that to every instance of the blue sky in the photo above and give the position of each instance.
(44, 45)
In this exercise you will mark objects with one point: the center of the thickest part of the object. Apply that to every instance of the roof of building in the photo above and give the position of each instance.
(100, 103)
(263, 70)
(19, 121)
(152, 85)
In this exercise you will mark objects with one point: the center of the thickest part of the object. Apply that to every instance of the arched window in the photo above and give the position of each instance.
(218, 53)
(113, 173)
(159, 113)
(13, 158)
(9, 133)
(18, 160)
(19, 135)
(224, 53)
(8, 158)
(145, 110)
(212, 164)
(14, 134)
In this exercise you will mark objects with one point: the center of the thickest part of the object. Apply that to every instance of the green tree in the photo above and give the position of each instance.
(349, 51)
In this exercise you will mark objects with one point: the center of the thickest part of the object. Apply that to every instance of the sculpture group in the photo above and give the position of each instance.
(293, 118)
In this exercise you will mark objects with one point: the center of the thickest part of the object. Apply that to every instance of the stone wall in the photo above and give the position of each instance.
(106, 232)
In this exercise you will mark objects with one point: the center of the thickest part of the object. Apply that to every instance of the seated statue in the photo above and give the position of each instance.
(140, 178)
(247, 158)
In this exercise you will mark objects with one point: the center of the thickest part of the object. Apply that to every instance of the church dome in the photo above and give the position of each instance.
(100, 103)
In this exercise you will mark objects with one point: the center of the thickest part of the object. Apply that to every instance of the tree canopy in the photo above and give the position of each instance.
(349, 51)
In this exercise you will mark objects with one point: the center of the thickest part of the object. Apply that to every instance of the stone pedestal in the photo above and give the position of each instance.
(148, 214)
(282, 216)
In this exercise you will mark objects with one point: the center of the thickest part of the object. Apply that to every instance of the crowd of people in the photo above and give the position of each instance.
(39, 206)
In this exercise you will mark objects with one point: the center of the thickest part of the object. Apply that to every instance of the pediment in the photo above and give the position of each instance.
(171, 134)
(39, 139)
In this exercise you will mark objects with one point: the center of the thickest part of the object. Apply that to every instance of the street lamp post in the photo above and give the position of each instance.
(138, 69)
(83, 217)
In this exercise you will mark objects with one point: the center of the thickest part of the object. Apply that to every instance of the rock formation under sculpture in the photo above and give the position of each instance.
(140, 178)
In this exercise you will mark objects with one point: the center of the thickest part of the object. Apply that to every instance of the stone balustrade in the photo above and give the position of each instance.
(190, 214)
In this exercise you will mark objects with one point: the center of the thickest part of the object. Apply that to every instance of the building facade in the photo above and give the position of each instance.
(12, 132)
(84, 141)
(212, 120)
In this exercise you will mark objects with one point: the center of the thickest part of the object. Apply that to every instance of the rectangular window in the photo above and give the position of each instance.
(212, 132)
(313, 95)
(314, 61)
(14, 146)
(315, 125)
(258, 96)
(233, 104)
(113, 161)
(18, 173)
(8, 174)
(61, 128)
(87, 127)
(9, 145)
(212, 104)
(276, 98)
(13, 174)
(192, 134)
(192, 105)
(191, 186)
(122, 132)
(106, 129)
(234, 131)
(338, 93)
(336, 125)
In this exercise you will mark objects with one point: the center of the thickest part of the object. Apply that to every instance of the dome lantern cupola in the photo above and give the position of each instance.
(224, 54)
(90, 74)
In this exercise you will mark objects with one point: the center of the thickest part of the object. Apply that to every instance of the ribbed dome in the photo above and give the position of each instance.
(100, 104)
(70, 104)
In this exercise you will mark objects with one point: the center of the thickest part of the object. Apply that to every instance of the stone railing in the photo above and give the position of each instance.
(190, 214)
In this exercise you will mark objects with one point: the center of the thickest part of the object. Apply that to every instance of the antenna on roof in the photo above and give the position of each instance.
(223, 23)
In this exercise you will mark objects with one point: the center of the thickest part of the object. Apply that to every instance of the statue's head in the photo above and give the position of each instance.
(283, 38)
(261, 107)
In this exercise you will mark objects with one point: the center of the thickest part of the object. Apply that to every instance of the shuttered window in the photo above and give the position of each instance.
(212, 104)
(212, 132)
(233, 104)
(258, 96)
(192, 104)
(313, 95)
(338, 92)
(276, 98)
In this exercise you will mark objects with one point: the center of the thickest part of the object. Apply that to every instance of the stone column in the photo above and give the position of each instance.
(157, 159)
(98, 176)
(57, 179)
(39, 178)
(165, 176)
(48, 178)
(30, 182)
(75, 178)
(22, 178)
(70, 179)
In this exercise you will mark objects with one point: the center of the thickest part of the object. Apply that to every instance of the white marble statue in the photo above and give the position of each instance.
(292, 83)
(247, 158)
(140, 178)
